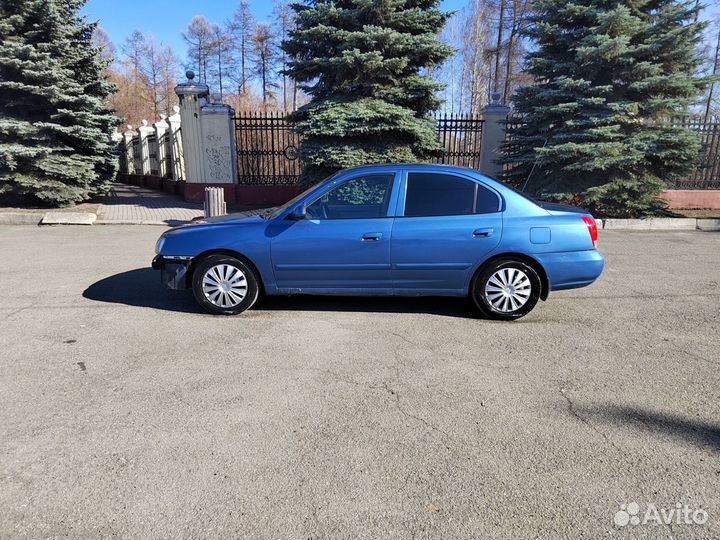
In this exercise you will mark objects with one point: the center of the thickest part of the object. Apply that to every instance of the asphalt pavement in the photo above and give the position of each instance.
(125, 412)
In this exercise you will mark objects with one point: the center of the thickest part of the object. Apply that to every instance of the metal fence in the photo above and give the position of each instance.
(705, 175)
(461, 137)
(267, 146)
(266, 149)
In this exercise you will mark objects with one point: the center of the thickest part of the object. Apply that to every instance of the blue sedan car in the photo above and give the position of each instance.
(402, 230)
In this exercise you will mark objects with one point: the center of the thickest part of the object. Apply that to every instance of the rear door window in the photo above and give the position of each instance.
(437, 194)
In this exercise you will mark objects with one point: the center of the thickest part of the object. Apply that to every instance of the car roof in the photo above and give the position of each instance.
(429, 166)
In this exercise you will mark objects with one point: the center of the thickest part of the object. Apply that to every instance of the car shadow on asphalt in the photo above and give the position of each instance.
(450, 307)
(142, 288)
(682, 429)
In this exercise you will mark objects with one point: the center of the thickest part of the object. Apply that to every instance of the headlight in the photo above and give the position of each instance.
(159, 245)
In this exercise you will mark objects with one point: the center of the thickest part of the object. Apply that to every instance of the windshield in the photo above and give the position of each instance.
(275, 212)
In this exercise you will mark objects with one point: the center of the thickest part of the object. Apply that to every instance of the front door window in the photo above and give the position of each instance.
(363, 197)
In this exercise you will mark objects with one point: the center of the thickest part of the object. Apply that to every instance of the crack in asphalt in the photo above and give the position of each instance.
(420, 419)
(573, 412)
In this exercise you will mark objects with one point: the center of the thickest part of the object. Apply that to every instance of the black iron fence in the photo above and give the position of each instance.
(461, 137)
(266, 149)
(706, 174)
(267, 146)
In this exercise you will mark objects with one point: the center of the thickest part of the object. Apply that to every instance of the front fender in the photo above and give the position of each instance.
(244, 239)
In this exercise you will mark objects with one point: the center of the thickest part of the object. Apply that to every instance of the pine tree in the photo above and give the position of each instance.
(611, 75)
(364, 63)
(55, 146)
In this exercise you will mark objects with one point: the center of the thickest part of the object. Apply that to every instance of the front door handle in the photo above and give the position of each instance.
(371, 236)
(483, 233)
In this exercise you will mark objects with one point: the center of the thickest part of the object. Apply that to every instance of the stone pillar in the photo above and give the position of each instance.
(119, 141)
(128, 136)
(208, 138)
(144, 132)
(177, 163)
(162, 136)
(220, 157)
(493, 135)
(192, 97)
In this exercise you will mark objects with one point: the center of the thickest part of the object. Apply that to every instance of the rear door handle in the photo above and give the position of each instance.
(482, 233)
(371, 236)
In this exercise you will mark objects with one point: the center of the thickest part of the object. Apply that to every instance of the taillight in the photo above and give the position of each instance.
(592, 229)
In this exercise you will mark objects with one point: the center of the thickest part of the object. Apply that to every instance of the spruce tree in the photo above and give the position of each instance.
(55, 145)
(611, 75)
(365, 64)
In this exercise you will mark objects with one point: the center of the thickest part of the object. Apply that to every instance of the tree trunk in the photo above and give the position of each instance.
(242, 66)
(220, 71)
(708, 104)
(498, 46)
(510, 59)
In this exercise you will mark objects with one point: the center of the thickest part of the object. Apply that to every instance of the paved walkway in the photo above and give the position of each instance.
(133, 204)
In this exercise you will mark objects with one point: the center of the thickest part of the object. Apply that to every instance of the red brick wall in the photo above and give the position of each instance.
(693, 198)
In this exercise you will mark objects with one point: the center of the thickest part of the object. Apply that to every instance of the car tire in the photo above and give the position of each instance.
(506, 289)
(225, 285)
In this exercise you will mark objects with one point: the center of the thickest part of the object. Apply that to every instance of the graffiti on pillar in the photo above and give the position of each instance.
(218, 160)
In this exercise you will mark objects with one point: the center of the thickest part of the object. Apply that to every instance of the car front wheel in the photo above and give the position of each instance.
(225, 285)
(506, 289)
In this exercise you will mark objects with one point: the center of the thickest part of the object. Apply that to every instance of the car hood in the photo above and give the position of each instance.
(253, 215)
(238, 218)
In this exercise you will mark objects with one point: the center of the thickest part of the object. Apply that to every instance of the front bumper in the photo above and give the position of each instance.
(173, 271)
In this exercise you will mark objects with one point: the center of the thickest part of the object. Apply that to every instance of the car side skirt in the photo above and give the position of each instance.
(349, 291)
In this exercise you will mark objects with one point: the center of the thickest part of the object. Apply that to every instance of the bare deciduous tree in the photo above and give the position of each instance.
(200, 36)
(487, 35)
(240, 29)
(284, 23)
(264, 60)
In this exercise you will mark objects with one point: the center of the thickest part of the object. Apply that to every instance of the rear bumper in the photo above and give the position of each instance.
(572, 269)
(173, 271)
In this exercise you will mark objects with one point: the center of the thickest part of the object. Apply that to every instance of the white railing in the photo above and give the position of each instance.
(153, 150)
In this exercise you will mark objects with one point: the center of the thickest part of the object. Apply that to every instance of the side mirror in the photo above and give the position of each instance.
(298, 213)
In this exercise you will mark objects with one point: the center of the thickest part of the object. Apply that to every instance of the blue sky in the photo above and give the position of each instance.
(168, 18)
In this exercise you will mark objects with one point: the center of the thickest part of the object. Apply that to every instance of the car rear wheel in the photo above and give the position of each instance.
(225, 285)
(506, 289)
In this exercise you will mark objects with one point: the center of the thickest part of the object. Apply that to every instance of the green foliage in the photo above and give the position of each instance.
(55, 128)
(365, 62)
(611, 75)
